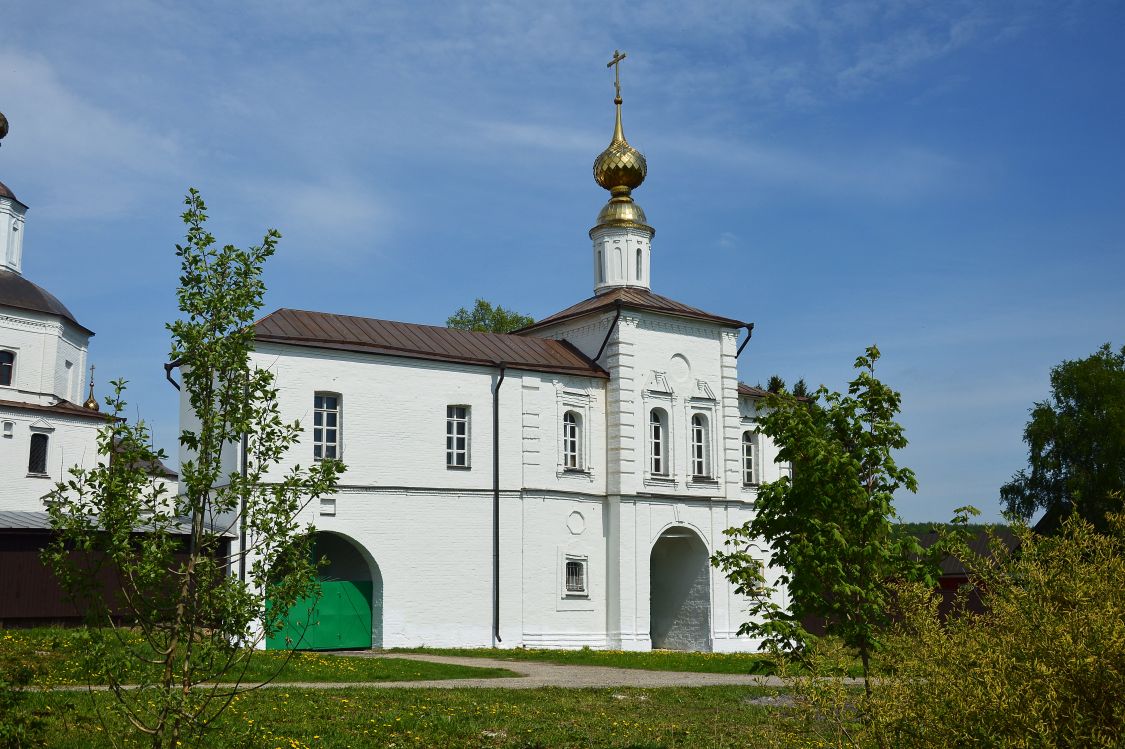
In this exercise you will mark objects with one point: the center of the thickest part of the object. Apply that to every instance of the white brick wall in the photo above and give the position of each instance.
(429, 528)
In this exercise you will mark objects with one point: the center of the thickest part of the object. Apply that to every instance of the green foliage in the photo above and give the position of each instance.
(775, 384)
(801, 389)
(191, 621)
(484, 318)
(1043, 667)
(829, 527)
(20, 725)
(1076, 444)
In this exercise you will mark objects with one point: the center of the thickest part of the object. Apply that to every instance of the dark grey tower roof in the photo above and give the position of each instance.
(16, 291)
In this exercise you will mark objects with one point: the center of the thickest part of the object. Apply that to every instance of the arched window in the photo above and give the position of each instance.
(600, 270)
(640, 262)
(37, 459)
(658, 442)
(7, 367)
(700, 459)
(571, 441)
(749, 448)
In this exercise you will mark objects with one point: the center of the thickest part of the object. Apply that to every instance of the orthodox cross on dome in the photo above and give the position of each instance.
(615, 63)
(91, 402)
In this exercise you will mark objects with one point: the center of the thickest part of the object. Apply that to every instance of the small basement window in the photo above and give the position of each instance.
(575, 576)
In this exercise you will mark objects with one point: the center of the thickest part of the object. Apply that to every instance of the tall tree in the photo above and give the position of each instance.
(801, 389)
(192, 624)
(484, 318)
(1076, 444)
(830, 526)
(775, 384)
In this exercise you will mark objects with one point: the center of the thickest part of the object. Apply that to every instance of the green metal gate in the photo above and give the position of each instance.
(341, 619)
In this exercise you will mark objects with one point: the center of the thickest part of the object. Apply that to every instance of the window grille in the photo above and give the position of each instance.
(37, 459)
(575, 576)
(457, 436)
(570, 441)
(326, 426)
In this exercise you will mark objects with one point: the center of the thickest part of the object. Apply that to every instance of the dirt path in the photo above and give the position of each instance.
(531, 675)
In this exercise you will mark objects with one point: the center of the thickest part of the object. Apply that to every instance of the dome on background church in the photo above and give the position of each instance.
(5, 192)
(16, 291)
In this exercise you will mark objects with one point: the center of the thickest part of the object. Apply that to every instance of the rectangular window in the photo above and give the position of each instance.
(575, 577)
(326, 426)
(457, 436)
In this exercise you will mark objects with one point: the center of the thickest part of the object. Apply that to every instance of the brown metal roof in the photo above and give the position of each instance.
(632, 298)
(16, 291)
(63, 408)
(753, 392)
(7, 193)
(371, 336)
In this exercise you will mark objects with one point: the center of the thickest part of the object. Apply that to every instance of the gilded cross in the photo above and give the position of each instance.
(615, 64)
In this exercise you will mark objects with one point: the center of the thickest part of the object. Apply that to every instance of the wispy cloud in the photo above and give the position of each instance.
(84, 160)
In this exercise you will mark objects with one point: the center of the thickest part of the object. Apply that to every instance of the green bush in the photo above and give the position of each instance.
(1042, 668)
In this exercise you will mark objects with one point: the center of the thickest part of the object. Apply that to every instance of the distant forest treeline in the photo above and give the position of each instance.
(919, 528)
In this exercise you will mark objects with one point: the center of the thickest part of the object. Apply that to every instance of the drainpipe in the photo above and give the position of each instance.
(608, 333)
(242, 509)
(496, 504)
(749, 335)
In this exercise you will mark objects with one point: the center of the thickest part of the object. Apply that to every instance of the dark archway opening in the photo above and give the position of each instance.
(680, 592)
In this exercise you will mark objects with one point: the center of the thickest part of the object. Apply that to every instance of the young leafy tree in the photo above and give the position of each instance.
(1076, 445)
(182, 626)
(829, 526)
(484, 318)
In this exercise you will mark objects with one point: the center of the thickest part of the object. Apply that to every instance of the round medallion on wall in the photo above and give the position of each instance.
(575, 523)
(679, 369)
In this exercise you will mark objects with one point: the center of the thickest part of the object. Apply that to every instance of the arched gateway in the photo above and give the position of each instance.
(349, 613)
(680, 592)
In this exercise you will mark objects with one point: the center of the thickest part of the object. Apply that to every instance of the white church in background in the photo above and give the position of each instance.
(44, 431)
(559, 487)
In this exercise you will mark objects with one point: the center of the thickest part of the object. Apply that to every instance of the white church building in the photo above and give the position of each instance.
(558, 487)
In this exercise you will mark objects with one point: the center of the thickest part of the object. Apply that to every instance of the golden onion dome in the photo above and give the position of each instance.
(620, 168)
(620, 165)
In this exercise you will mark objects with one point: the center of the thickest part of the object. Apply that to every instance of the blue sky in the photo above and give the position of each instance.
(942, 179)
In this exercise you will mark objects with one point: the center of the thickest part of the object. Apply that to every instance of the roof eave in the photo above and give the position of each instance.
(595, 370)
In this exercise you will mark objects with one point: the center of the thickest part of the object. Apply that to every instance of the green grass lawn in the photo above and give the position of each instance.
(53, 656)
(656, 660)
(697, 718)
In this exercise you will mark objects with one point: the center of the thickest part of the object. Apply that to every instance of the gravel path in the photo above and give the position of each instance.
(532, 675)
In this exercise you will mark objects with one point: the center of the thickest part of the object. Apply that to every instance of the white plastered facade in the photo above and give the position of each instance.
(426, 529)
